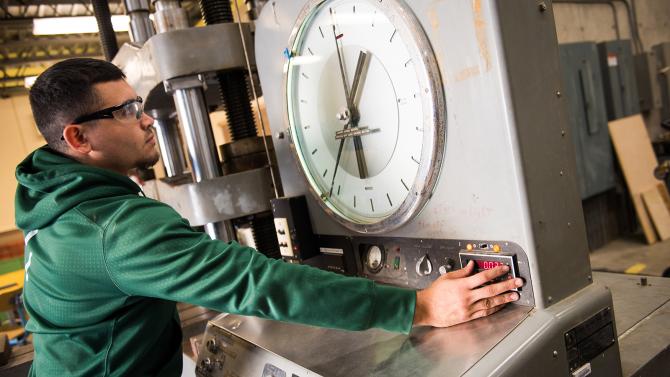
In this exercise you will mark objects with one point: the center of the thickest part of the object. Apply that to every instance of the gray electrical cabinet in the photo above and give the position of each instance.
(662, 52)
(621, 94)
(587, 114)
(648, 82)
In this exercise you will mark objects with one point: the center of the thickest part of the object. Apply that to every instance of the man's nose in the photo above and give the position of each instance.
(146, 121)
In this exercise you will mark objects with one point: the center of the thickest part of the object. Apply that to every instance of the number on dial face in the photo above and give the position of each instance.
(360, 100)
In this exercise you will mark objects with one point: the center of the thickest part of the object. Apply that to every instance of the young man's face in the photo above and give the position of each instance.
(121, 146)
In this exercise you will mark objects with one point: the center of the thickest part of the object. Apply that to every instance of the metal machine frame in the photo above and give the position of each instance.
(508, 174)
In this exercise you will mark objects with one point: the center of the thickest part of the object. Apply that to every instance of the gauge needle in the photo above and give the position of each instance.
(361, 69)
(359, 78)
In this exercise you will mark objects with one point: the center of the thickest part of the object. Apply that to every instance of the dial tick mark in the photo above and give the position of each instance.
(321, 31)
(393, 35)
(372, 205)
(324, 173)
(310, 51)
(314, 151)
(404, 184)
(414, 159)
(304, 75)
(389, 198)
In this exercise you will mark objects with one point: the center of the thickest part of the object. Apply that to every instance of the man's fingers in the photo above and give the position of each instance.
(492, 290)
(492, 302)
(479, 279)
(463, 272)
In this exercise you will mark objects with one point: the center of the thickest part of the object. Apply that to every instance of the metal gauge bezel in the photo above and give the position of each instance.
(382, 258)
(434, 119)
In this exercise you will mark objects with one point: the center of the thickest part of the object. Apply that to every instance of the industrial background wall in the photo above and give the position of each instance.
(603, 20)
(576, 21)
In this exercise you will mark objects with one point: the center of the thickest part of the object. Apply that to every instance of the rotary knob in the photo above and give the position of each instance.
(206, 365)
(447, 267)
(424, 266)
(212, 346)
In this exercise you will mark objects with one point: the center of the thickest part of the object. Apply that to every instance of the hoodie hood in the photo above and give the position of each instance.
(51, 184)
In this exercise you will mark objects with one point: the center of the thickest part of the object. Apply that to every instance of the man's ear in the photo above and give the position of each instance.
(75, 136)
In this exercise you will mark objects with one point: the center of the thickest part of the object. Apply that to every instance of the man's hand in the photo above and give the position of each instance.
(458, 297)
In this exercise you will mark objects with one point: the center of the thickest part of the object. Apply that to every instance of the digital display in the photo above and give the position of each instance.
(485, 261)
(487, 264)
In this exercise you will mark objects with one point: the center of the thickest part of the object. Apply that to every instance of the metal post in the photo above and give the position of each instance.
(189, 99)
(141, 28)
(193, 115)
(169, 140)
(169, 16)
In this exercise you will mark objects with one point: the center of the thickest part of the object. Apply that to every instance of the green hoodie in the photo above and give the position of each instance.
(105, 266)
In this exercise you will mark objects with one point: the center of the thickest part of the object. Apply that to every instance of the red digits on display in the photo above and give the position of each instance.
(487, 265)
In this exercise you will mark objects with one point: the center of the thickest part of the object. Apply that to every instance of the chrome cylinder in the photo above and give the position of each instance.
(222, 230)
(194, 118)
(141, 28)
(189, 98)
(169, 143)
(169, 16)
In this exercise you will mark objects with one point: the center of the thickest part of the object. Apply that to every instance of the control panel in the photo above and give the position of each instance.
(294, 232)
(415, 263)
(486, 260)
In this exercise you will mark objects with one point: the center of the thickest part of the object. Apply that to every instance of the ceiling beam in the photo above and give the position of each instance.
(50, 59)
(62, 40)
(51, 2)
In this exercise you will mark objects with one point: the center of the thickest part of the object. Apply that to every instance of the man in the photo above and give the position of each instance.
(105, 265)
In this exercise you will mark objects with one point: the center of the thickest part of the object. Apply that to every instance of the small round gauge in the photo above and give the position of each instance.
(375, 258)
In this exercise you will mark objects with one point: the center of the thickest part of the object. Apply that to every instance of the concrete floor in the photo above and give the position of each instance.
(632, 256)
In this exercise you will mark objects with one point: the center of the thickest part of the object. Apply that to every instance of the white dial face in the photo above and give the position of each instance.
(361, 109)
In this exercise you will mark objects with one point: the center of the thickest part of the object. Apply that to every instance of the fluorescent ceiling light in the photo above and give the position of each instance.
(29, 81)
(75, 25)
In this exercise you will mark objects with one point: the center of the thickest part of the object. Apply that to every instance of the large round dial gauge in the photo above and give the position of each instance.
(365, 108)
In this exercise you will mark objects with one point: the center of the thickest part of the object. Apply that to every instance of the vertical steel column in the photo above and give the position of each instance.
(169, 16)
(169, 140)
(194, 117)
(141, 28)
(189, 98)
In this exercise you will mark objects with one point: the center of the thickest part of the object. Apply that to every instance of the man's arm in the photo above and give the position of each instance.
(151, 251)
(458, 297)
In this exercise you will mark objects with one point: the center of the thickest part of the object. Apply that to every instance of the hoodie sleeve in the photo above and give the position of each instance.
(151, 251)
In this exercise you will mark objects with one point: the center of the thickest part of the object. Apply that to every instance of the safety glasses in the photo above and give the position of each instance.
(127, 112)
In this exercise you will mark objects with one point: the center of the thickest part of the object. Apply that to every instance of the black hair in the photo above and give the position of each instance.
(65, 91)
